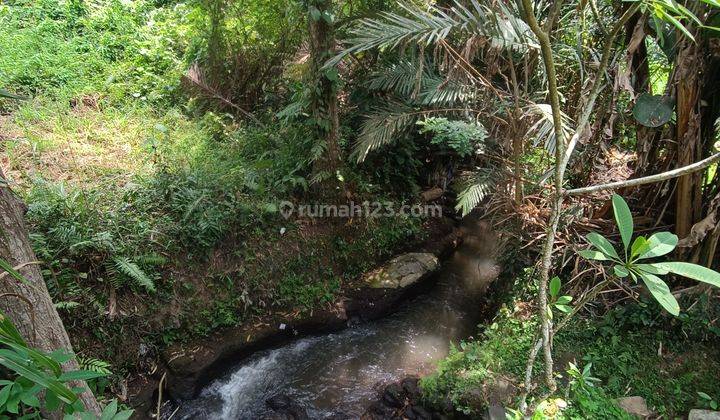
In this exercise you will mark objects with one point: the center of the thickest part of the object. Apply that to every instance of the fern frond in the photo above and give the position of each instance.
(66, 305)
(135, 273)
(543, 130)
(381, 127)
(474, 191)
(94, 365)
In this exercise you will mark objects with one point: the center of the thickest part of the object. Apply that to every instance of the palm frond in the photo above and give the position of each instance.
(543, 130)
(445, 91)
(474, 190)
(427, 26)
(418, 81)
(401, 77)
(134, 272)
(382, 126)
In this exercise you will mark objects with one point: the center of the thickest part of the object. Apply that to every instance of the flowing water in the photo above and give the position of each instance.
(337, 374)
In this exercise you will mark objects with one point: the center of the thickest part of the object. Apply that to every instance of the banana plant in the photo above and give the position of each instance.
(632, 260)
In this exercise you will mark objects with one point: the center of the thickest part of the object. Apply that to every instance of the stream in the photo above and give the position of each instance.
(337, 375)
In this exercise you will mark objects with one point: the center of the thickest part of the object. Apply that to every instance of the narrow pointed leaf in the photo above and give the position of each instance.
(661, 293)
(624, 219)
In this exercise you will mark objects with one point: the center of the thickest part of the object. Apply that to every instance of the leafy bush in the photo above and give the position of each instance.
(459, 136)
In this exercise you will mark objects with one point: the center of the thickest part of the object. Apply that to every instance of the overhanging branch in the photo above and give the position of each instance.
(684, 170)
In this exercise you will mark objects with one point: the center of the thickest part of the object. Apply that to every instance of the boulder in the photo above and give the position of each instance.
(704, 415)
(432, 194)
(286, 406)
(635, 406)
(403, 271)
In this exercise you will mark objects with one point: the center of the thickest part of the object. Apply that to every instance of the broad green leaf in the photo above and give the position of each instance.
(601, 243)
(660, 243)
(692, 271)
(109, 412)
(315, 13)
(30, 399)
(555, 286)
(651, 268)
(621, 271)
(563, 308)
(52, 402)
(661, 293)
(624, 219)
(123, 415)
(704, 395)
(653, 110)
(639, 246)
(564, 300)
(4, 394)
(590, 254)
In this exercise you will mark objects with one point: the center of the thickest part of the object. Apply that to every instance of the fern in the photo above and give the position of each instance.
(66, 305)
(95, 365)
(134, 272)
(441, 91)
(474, 191)
(417, 78)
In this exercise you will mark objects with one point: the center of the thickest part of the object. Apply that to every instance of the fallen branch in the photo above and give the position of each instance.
(697, 166)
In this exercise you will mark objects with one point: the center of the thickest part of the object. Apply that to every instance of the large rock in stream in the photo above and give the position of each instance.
(403, 271)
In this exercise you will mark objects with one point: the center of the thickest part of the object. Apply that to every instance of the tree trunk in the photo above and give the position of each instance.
(40, 325)
(688, 194)
(323, 93)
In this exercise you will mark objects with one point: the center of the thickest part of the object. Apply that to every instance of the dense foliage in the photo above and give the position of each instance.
(153, 142)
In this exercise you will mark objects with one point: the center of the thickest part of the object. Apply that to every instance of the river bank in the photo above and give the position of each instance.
(185, 366)
(338, 373)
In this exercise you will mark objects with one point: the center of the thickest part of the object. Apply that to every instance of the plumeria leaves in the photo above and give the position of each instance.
(661, 292)
(561, 303)
(623, 218)
(642, 248)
